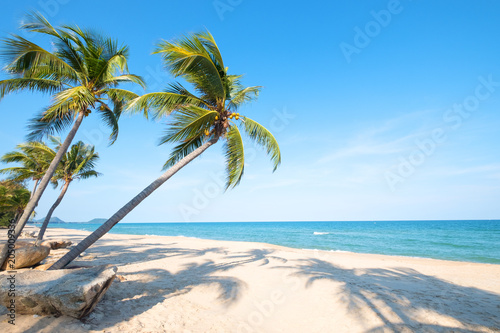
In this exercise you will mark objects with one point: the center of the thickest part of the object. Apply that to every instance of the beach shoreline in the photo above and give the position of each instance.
(182, 284)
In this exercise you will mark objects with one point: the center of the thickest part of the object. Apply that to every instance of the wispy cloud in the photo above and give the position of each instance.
(393, 136)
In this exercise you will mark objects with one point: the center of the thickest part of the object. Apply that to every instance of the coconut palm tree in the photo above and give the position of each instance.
(196, 120)
(13, 199)
(82, 72)
(78, 163)
(34, 158)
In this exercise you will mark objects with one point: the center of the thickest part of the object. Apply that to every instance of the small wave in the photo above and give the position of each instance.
(320, 233)
(318, 250)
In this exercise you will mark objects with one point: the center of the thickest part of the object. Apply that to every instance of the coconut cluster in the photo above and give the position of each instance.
(221, 124)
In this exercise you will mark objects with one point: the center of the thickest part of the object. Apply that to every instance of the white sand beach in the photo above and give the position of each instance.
(177, 284)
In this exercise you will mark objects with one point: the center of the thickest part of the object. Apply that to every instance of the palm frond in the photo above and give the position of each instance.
(22, 55)
(209, 42)
(182, 150)
(70, 100)
(189, 57)
(31, 84)
(41, 126)
(79, 162)
(36, 22)
(125, 78)
(120, 94)
(242, 96)
(160, 103)
(188, 123)
(117, 63)
(235, 157)
(178, 88)
(264, 138)
(111, 117)
(89, 174)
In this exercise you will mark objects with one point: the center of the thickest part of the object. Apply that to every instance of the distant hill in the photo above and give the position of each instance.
(53, 219)
(97, 220)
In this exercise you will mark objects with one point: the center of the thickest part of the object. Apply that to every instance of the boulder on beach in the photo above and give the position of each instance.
(71, 292)
(26, 255)
(57, 244)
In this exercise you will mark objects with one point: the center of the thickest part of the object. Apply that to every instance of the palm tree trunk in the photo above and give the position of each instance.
(42, 186)
(34, 188)
(17, 216)
(51, 211)
(119, 215)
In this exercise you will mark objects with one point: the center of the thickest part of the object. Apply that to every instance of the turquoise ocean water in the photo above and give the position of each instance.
(474, 241)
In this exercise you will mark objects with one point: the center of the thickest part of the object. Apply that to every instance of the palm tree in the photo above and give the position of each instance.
(197, 121)
(82, 72)
(34, 158)
(78, 163)
(13, 199)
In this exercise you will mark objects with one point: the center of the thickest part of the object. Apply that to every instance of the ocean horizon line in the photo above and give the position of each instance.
(290, 221)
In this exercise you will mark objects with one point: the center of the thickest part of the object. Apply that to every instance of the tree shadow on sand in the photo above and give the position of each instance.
(141, 291)
(258, 255)
(125, 255)
(406, 293)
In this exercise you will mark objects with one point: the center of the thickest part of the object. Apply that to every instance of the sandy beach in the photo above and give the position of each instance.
(178, 284)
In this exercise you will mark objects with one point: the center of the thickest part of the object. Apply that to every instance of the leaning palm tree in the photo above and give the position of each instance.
(82, 72)
(78, 163)
(197, 121)
(33, 159)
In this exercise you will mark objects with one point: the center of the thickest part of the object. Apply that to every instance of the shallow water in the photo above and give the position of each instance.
(474, 241)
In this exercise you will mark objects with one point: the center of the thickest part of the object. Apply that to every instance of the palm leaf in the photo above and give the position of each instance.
(111, 117)
(125, 78)
(243, 96)
(188, 57)
(235, 157)
(264, 138)
(161, 103)
(22, 55)
(188, 123)
(42, 126)
(182, 150)
(73, 99)
(31, 84)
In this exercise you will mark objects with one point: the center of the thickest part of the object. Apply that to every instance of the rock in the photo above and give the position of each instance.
(120, 278)
(71, 292)
(57, 244)
(20, 244)
(26, 255)
(43, 267)
(28, 234)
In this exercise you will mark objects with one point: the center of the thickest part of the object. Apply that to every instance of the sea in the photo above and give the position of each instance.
(472, 241)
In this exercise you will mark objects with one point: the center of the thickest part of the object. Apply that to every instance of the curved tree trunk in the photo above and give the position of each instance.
(34, 188)
(119, 215)
(51, 211)
(42, 186)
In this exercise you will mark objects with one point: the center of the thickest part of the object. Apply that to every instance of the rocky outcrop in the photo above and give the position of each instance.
(26, 255)
(71, 292)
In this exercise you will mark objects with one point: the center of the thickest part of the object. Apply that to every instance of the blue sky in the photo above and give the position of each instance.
(384, 110)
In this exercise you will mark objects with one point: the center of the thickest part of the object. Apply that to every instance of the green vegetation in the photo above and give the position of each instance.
(14, 197)
(78, 163)
(82, 74)
(196, 121)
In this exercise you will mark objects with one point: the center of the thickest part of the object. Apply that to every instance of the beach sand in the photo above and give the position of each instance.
(178, 284)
